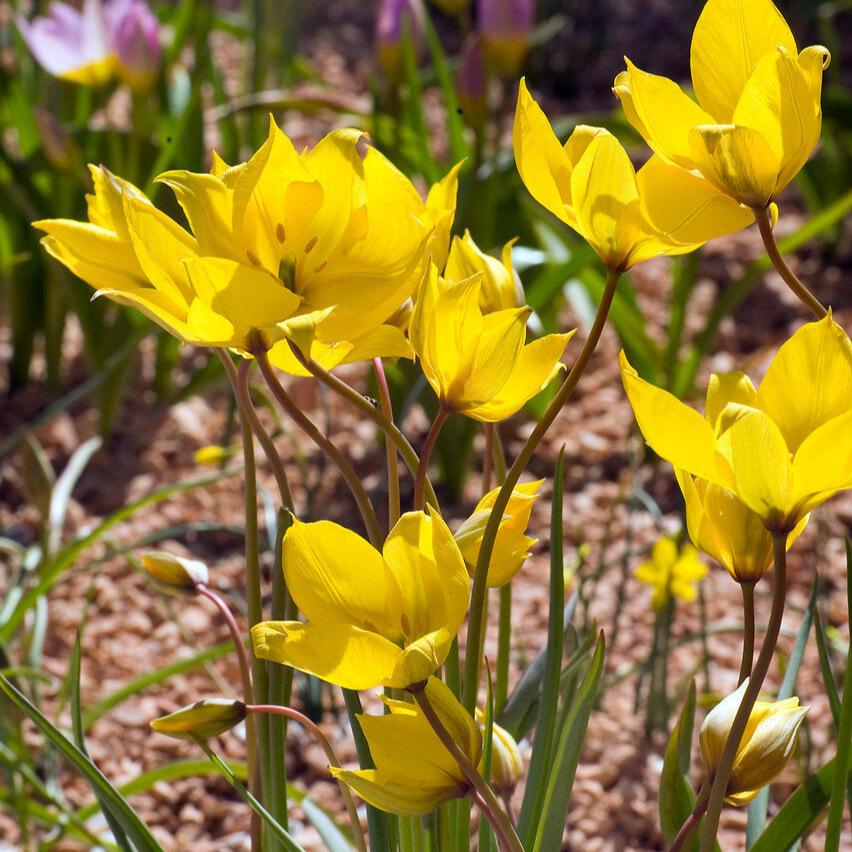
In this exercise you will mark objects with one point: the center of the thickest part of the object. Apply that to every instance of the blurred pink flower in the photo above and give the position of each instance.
(505, 27)
(390, 24)
(93, 44)
(471, 83)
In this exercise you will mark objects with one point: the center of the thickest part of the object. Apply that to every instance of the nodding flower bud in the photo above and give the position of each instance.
(202, 720)
(393, 18)
(507, 764)
(505, 27)
(174, 574)
(769, 739)
(472, 84)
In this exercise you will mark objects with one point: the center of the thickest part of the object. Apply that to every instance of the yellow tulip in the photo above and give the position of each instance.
(204, 719)
(626, 216)
(373, 619)
(175, 574)
(415, 773)
(671, 573)
(512, 546)
(478, 364)
(507, 762)
(758, 115)
(501, 287)
(336, 234)
(724, 528)
(767, 743)
(782, 448)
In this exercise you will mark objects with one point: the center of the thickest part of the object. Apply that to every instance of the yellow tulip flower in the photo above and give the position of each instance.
(415, 773)
(335, 233)
(512, 546)
(758, 115)
(724, 528)
(507, 762)
(478, 364)
(501, 286)
(782, 448)
(626, 216)
(767, 743)
(671, 573)
(373, 619)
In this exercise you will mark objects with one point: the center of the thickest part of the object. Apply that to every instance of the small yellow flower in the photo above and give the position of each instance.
(373, 619)
(782, 448)
(204, 719)
(758, 115)
(213, 454)
(512, 546)
(724, 528)
(478, 364)
(768, 741)
(501, 286)
(414, 772)
(507, 763)
(626, 216)
(671, 574)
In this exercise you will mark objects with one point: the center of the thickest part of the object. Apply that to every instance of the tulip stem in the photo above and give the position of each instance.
(693, 819)
(368, 514)
(758, 675)
(409, 456)
(476, 623)
(320, 737)
(488, 457)
(480, 791)
(805, 296)
(748, 631)
(390, 449)
(425, 455)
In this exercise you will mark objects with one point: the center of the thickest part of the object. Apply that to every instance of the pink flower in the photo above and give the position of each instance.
(93, 44)
(390, 24)
(505, 27)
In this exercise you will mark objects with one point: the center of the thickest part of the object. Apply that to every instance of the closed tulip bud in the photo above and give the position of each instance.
(769, 739)
(204, 719)
(136, 42)
(472, 84)
(174, 574)
(507, 763)
(505, 26)
(395, 16)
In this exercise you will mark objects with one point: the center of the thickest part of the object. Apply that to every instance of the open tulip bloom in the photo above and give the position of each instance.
(326, 244)
(373, 619)
(758, 115)
(782, 448)
(626, 216)
(671, 573)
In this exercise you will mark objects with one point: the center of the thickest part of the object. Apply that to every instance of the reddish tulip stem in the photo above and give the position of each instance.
(748, 631)
(320, 737)
(693, 819)
(425, 455)
(764, 224)
(390, 449)
(488, 458)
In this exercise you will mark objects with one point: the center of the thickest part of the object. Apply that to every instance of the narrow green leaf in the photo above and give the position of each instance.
(825, 666)
(61, 494)
(135, 829)
(566, 756)
(677, 797)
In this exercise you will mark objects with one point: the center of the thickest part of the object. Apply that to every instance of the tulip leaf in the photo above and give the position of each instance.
(136, 831)
(677, 797)
(548, 705)
(566, 756)
(487, 840)
(61, 494)
(825, 666)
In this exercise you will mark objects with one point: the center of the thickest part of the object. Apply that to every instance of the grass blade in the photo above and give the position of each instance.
(61, 494)
(677, 797)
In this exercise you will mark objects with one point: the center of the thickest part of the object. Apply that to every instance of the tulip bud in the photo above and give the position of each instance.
(507, 764)
(204, 719)
(505, 26)
(769, 739)
(393, 17)
(136, 42)
(471, 84)
(174, 574)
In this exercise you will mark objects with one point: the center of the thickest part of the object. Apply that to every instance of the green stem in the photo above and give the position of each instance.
(476, 623)
(409, 456)
(320, 737)
(365, 507)
(390, 449)
(694, 818)
(764, 224)
(748, 631)
(488, 457)
(426, 455)
(758, 675)
(504, 636)
(484, 795)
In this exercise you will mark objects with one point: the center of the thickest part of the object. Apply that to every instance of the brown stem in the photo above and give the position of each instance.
(764, 224)
(425, 455)
(758, 675)
(320, 737)
(693, 819)
(748, 631)
(368, 514)
(390, 449)
(495, 815)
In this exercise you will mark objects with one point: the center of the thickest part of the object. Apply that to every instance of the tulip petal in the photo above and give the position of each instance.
(728, 387)
(672, 429)
(438, 215)
(535, 367)
(336, 576)
(809, 381)
(410, 797)
(339, 653)
(729, 39)
(822, 465)
(157, 306)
